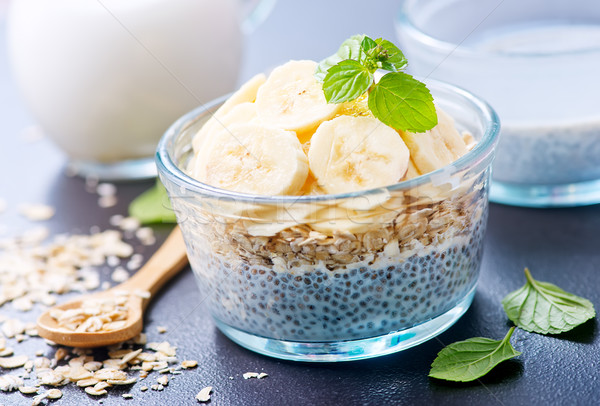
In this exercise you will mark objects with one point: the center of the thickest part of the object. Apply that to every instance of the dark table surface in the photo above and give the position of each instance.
(559, 245)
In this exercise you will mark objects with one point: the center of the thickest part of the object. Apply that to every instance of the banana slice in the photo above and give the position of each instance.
(355, 153)
(245, 94)
(437, 147)
(412, 171)
(292, 99)
(239, 114)
(454, 141)
(251, 158)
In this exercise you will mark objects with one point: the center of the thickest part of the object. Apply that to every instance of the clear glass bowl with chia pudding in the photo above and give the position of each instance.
(338, 277)
(537, 63)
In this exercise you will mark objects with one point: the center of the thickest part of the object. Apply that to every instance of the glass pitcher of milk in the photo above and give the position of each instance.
(106, 78)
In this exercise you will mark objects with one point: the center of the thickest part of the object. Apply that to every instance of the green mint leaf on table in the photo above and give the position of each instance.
(395, 61)
(403, 103)
(346, 81)
(465, 361)
(544, 308)
(153, 206)
(350, 49)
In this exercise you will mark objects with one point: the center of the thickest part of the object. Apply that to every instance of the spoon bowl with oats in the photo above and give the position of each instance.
(116, 314)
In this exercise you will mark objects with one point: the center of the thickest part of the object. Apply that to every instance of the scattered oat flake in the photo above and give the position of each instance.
(189, 364)
(144, 294)
(107, 201)
(129, 224)
(28, 390)
(54, 394)
(127, 396)
(87, 382)
(144, 388)
(6, 352)
(90, 390)
(163, 380)
(130, 356)
(92, 365)
(60, 354)
(9, 383)
(249, 375)
(145, 235)
(115, 220)
(204, 395)
(161, 329)
(37, 400)
(106, 189)
(36, 212)
(12, 327)
(124, 382)
(119, 275)
(23, 304)
(13, 362)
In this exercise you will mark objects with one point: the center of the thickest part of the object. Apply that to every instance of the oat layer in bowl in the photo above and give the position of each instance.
(338, 277)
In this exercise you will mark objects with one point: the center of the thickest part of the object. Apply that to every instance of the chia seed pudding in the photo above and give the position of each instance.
(304, 285)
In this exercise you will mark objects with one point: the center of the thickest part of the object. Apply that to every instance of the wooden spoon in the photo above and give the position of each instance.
(168, 260)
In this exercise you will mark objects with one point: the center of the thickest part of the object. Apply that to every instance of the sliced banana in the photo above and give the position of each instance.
(292, 99)
(454, 141)
(412, 171)
(355, 153)
(245, 94)
(239, 114)
(242, 113)
(255, 159)
(437, 147)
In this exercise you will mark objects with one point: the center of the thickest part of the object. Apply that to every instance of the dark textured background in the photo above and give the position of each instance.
(560, 246)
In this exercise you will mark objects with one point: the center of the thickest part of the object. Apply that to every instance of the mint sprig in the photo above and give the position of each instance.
(544, 308)
(397, 100)
(465, 361)
(350, 49)
(402, 102)
(347, 80)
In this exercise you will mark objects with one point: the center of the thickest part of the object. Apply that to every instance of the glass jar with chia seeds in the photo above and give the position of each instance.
(338, 277)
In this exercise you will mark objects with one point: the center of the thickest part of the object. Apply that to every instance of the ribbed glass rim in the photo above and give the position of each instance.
(405, 22)
(482, 151)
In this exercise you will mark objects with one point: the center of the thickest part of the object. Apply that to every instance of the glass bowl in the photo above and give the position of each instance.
(337, 277)
(536, 62)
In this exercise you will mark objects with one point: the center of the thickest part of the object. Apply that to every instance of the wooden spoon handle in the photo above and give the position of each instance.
(166, 262)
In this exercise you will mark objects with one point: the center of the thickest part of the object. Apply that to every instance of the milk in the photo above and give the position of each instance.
(106, 79)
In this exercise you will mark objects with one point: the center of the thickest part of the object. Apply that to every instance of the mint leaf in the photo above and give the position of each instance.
(350, 49)
(544, 308)
(368, 48)
(153, 206)
(403, 103)
(465, 361)
(395, 60)
(346, 81)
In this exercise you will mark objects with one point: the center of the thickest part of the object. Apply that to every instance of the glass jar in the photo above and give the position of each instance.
(338, 277)
(537, 63)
